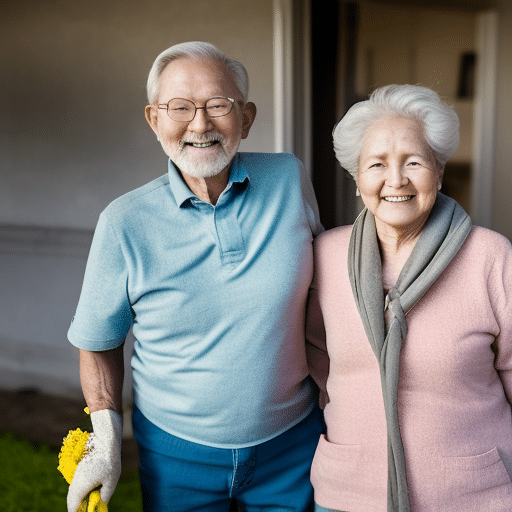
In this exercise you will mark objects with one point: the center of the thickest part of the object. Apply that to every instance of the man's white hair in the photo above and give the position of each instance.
(439, 120)
(195, 50)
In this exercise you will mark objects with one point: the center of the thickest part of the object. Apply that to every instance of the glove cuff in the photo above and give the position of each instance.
(107, 424)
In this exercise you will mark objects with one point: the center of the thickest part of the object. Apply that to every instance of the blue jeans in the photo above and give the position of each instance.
(181, 476)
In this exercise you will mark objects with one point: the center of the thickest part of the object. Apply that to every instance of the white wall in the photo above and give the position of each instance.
(41, 274)
(73, 137)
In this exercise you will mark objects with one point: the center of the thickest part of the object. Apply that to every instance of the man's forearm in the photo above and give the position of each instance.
(101, 376)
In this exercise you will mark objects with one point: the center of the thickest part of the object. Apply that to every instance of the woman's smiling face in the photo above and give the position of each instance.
(398, 175)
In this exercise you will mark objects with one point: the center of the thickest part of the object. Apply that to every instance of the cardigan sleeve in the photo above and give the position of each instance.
(500, 291)
(316, 347)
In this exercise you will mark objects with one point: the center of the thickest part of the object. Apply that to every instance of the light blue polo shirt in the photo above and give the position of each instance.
(216, 296)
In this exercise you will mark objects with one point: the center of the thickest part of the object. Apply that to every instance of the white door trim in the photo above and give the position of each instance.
(292, 79)
(484, 121)
(283, 85)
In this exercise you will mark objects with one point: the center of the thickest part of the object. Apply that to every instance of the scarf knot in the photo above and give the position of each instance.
(393, 311)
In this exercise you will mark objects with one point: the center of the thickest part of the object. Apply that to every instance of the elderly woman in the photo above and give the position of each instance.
(410, 326)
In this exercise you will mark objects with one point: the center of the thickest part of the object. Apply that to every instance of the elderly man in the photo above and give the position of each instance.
(211, 265)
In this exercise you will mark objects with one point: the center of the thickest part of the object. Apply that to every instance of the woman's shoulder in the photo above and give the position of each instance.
(487, 241)
(330, 251)
(486, 250)
(333, 239)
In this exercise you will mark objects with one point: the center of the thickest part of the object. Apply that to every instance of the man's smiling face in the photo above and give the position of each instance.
(203, 147)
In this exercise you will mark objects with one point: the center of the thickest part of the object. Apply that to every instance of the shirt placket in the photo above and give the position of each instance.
(229, 234)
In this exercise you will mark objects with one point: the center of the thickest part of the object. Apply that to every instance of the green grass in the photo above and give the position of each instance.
(30, 482)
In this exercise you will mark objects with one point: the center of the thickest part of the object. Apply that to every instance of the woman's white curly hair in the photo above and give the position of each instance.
(439, 120)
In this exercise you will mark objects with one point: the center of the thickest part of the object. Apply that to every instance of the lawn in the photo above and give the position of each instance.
(30, 482)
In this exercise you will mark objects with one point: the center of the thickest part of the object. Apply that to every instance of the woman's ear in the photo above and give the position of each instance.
(440, 177)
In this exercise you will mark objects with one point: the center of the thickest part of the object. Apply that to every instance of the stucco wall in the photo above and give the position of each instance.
(73, 134)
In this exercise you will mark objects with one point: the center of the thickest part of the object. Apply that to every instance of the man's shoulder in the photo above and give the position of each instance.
(272, 160)
(272, 169)
(138, 196)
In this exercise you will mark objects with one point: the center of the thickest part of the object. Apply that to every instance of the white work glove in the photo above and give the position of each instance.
(102, 463)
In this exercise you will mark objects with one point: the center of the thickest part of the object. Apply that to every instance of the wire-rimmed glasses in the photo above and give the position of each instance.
(182, 110)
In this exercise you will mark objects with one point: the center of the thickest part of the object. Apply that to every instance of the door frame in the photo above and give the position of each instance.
(484, 118)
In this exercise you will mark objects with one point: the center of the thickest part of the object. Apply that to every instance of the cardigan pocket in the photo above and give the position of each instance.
(476, 483)
(345, 477)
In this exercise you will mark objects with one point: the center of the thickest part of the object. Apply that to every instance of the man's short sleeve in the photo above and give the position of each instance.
(103, 315)
(310, 202)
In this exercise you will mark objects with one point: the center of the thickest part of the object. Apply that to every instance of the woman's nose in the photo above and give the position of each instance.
(396, 176)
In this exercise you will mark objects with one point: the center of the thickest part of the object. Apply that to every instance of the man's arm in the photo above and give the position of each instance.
(310, 203)
(101, 376)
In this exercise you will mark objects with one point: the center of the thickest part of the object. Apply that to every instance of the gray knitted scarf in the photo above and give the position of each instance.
(444, 233)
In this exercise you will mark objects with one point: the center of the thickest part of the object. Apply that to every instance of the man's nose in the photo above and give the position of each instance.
(201, 122)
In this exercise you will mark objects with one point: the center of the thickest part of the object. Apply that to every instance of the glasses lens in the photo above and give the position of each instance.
(217, 107)
(181, 110)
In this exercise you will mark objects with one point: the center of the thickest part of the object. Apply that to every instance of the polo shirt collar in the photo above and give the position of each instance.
(183, 195)
(238, 173)
(179, 188)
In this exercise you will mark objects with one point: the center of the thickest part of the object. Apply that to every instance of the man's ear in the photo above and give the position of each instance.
(151, 116)
(248, 116)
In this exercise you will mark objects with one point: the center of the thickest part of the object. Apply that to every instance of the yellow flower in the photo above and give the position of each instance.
(71, 453)
(73, 449)
(95, 504)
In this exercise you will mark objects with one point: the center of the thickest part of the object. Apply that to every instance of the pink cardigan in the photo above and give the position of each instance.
(455, 388)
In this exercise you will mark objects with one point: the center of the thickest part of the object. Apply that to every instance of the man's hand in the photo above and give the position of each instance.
(101, 466)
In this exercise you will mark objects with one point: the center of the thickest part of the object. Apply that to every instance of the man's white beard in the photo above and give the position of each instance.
(201, 166)
(205, 167)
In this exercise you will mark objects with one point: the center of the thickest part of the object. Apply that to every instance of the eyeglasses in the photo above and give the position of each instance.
(183, 110)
